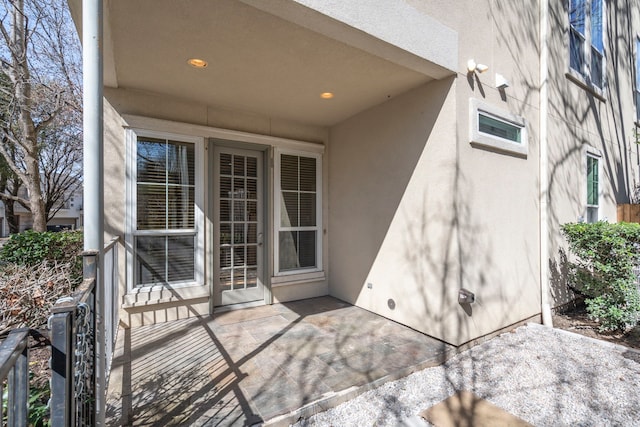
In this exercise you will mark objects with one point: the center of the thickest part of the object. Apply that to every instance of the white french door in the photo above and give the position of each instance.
(238, 263)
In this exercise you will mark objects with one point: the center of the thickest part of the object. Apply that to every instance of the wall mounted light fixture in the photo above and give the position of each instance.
(473, 67)
(501, 82)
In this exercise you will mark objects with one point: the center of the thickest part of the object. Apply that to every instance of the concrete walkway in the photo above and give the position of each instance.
(269, 364)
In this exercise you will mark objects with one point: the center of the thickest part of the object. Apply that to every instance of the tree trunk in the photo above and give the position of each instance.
(12, 218)
(22, 80)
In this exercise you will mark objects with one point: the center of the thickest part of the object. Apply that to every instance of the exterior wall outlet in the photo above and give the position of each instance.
(370, 285)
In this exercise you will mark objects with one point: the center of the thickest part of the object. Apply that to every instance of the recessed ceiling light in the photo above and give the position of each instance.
(326, 95)
(197, 63)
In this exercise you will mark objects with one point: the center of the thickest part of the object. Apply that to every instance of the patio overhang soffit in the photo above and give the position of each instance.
(275, 57)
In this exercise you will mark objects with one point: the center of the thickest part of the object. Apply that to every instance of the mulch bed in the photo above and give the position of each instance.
(576, 320)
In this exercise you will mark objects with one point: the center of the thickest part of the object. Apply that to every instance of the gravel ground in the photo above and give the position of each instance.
(548, 377)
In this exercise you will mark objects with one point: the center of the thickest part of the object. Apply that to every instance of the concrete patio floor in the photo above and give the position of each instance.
(269, 364)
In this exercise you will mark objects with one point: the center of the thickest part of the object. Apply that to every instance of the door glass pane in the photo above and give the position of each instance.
(225, 164)
(252, 277)
(252, 256)
(238, 256)
(238, 165)
(238, 278)
(252, 233)
(238, 233)
(225, 280)
(225, 187)
(225, 234)
(225, 257)
(238, 210)
(225, 210)
(252, 167)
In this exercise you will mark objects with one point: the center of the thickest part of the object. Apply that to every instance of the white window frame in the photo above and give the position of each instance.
(494, 142)
(131, 137)
(591, 152)
(583, 77)
(277, 200)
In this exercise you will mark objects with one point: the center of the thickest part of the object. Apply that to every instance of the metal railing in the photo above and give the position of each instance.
(83, 332)
(14, 378)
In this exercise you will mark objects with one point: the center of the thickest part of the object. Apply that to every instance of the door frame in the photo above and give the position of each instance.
(267, 153)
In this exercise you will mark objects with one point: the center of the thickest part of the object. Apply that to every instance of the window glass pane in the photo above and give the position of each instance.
(180, 259)
(307, 248)
(307, 174)
(151, 156)
(592, 181)
(180, 161)
(307, 209)
(180, 208)
(596, 25)
(151, 207)
(576, 51)
(165, 190)
(289, 210)
(150, 260)
(288, 240)
(289, 172)
(637, 64)
(498, 128)
(577, 15)
(596, 68)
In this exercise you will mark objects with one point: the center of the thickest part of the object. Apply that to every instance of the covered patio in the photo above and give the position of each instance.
(270, 364)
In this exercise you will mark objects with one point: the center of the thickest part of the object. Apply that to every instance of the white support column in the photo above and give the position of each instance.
(93, 174)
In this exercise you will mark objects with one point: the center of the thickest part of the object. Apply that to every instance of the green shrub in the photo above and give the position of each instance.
(31, 248)
(604, 271)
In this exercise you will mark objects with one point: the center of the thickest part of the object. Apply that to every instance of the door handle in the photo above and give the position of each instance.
(259, 239)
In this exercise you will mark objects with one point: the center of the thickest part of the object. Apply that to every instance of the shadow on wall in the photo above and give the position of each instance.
(372, 158)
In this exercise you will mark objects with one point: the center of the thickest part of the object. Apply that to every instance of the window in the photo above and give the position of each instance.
(586, 40)
(637, 89)
(497, 130)
(298, 212)
(164, 218)
(593, 189)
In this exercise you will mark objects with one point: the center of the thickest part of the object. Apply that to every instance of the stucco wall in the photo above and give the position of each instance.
(581, 119)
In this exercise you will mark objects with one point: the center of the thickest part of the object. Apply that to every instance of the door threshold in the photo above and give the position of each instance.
(231, 307)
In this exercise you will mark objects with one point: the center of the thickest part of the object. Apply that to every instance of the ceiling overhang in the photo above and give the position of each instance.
(275, 57)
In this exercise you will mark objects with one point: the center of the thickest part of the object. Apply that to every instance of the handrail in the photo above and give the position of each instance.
(14, 367)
